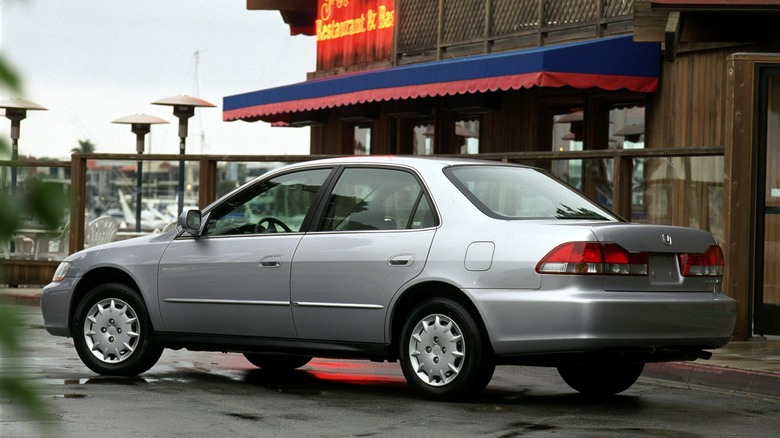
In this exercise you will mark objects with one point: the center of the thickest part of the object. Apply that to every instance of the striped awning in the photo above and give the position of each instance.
(608, 63)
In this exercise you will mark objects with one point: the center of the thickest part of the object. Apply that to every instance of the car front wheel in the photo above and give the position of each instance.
(443, 352)
(112, 332)
(601, 379)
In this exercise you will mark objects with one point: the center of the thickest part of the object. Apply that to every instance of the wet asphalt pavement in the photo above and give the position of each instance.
(194, 394)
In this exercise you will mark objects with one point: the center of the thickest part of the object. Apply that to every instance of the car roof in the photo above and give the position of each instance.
(414, 161)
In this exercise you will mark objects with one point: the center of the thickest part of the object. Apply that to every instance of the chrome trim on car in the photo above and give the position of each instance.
(249, 302)
(339, 305)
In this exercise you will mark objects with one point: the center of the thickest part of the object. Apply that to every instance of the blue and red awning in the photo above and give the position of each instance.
(608, 63)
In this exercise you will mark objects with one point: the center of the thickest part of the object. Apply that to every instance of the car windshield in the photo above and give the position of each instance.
(507, 192)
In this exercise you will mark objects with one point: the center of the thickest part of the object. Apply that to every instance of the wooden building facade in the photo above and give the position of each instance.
(691, 143)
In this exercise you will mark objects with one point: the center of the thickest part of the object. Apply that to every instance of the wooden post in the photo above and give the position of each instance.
(622, 185)
(207, 189)
(78, 178)
(739, 217)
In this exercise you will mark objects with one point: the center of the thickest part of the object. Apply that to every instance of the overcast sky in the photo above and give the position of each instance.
(93, 61)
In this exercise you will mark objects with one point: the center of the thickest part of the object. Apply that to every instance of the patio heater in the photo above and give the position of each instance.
(183, 109)
(16, 111)
(140, 124)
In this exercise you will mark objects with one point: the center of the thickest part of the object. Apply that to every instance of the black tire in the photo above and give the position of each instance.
(276, 362)
(112, 332)
(601, 379)
(445, 371)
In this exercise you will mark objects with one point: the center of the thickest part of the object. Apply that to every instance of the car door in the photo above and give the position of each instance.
(374, 236)
(234, 279)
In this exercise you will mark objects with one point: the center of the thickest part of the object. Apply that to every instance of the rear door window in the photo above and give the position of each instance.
(369, 199)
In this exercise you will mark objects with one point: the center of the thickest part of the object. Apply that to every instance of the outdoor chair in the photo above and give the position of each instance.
(58, 247)
(169, 227)
(101, 230)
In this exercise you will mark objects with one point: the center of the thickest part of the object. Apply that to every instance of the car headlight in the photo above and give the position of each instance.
(61, 272)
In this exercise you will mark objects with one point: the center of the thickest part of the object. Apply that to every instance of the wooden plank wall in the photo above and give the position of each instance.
(689, 108)
(513, 129)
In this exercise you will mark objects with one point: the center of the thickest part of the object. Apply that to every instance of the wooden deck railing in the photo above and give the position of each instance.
(24, 271)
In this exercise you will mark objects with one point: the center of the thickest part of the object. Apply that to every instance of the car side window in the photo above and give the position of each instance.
(278, 205)
(377, 199)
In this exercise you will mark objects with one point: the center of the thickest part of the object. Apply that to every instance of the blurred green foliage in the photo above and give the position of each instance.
(46, 204)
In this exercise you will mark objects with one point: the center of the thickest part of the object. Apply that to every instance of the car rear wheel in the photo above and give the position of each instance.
(276, 362)
(601, 379)
(112, 332)
(443, 352)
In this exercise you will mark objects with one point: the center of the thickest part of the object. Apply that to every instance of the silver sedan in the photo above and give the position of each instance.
(450, 267)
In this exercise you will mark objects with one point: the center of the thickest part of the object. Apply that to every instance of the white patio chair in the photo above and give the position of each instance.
(58, 247)
(22, 247)
(101, 230)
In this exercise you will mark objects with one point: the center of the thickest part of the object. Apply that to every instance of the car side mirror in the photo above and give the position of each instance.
(190, 222)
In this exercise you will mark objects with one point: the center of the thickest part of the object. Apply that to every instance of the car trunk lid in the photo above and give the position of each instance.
(663, 246)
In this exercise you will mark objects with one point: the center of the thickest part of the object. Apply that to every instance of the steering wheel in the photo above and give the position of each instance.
(271, 223)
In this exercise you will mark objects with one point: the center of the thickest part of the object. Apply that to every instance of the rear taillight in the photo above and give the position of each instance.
(709, 264)
(593, 258)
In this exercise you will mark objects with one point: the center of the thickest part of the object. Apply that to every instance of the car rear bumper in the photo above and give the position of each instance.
(526, 322)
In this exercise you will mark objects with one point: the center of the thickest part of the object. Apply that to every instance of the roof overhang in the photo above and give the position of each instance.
(609, 63)
(716, 5)
(720, 22)
(298, 14)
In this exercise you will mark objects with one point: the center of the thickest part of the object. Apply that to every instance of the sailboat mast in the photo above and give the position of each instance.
(202, 134)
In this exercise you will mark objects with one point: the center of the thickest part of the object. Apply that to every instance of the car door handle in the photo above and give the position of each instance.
(271, 262)
(401, 260)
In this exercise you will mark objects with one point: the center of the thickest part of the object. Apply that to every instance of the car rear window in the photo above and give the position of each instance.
(508, 192)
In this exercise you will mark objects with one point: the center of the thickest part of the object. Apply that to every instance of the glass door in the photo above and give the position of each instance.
(767, 290)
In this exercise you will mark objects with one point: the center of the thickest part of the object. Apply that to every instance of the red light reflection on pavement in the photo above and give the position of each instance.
(355, 372)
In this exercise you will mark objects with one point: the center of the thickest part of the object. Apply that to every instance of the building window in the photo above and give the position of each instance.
(362, 139)
(627, 127)
(467, 133)
(423, 138)
(627, 131)
(566, 136)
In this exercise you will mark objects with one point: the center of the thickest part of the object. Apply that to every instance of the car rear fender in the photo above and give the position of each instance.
(415, 293)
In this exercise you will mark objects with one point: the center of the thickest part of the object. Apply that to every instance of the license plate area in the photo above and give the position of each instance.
(663, 269)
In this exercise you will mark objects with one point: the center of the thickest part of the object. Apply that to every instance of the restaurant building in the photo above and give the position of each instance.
(665, 111)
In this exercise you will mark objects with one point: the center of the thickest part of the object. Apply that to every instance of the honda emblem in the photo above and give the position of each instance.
(667, 239)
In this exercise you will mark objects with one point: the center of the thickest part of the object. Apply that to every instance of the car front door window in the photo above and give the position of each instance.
(278, 205)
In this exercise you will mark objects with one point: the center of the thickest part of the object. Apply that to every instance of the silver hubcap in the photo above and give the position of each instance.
(437, 350)
(112, 330)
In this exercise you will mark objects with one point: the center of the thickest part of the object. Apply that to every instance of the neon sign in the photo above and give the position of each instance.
(353, 32)
(346, 21)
